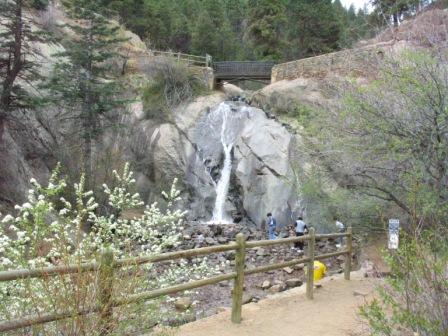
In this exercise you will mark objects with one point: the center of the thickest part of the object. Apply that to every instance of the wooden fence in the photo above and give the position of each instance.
(107, 264)
(205, 61)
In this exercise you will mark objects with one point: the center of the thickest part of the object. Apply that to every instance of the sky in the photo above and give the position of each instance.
(357, 3)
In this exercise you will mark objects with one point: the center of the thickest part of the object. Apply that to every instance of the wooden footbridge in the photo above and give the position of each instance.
(235, 71)
(229, 71)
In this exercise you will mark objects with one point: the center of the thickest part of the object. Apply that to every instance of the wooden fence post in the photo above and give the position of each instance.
(348, 257)
(310, 267)
(238, 287)
(106, 276)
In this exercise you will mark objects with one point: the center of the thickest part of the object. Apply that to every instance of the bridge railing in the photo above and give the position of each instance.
(205, 61)
(107, 265)
(243, 69)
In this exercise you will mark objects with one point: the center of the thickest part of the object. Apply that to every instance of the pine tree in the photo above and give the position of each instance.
(211, 32)
(314, 27)
(82, 79)
(395, 8)
(18, 67)
(132, 14)
(237, 12)
(343, 17)
(266, 26)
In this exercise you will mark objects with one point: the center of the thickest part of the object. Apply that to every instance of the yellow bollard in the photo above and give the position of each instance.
(319, 270)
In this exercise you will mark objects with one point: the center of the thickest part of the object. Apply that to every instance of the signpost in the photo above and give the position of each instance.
(394, 228)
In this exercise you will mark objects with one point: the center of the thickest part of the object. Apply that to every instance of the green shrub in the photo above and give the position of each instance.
(40, 4)
(414, 300)
(48, 230)
(172, 84)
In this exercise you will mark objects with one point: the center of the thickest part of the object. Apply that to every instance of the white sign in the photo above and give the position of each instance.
(394, 229)
(393, 240)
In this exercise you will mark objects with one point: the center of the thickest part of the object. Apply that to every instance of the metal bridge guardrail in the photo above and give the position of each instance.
(247, 69)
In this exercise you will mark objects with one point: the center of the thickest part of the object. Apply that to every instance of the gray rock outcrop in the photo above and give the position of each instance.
(264, 169)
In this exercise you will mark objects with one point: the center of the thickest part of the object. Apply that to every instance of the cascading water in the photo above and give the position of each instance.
(222, 187)
(225, 122)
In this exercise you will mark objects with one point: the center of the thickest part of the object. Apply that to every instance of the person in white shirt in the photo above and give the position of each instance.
(301, 229)
(341, 229)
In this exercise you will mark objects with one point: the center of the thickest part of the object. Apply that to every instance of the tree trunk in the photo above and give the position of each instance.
(87, 156)
(2, 126)
(14, 67)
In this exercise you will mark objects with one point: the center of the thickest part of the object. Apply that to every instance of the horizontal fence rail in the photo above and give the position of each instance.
(107, 264)
(205, 61)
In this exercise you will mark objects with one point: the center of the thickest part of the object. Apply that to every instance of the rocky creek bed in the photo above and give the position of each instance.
(209, 300)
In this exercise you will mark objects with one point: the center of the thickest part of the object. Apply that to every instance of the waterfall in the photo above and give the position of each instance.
(225, 121)
(222, 187)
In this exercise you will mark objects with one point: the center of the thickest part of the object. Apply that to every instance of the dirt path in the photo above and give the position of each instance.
(333, 312)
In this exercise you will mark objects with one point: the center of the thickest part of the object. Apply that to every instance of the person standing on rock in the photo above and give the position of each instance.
(272, 226)
(301, 229)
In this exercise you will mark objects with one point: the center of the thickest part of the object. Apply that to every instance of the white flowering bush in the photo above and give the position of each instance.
(48, 230)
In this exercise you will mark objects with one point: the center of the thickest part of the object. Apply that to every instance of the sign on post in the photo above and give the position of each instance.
(394, 228)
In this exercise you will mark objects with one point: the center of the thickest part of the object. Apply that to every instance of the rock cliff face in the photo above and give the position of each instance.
(189, 148)
(26, 151)
(265, 169)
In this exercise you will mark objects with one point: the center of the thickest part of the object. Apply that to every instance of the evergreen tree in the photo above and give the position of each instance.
(314, 27)
(267, 22)
(237, 12)
(344, 20)
(132, 14)
(180, 36)
(395, 9)
(211, 32)
(17, 67)
(82, 78)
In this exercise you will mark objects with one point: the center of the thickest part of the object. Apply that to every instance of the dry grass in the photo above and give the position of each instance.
(428, 29)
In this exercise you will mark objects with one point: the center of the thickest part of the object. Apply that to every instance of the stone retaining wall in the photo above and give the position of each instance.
(355, 62)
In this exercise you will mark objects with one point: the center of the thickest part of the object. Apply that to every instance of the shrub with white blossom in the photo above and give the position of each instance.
(48, 230)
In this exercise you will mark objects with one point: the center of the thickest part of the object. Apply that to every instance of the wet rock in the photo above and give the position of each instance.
(288, 270)
(294, 282)
(340, 258)
(247, 297)
(321, 244)
(337, 271)
(210, 241)
(230, 255)
(277, 288)
(266, 284)
(222, 240)
(224, 284)
(256, 299)
(182, 304)
(261, 252)
(299, 267)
